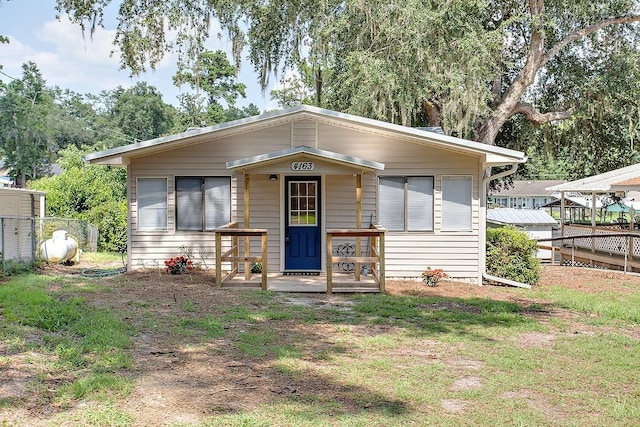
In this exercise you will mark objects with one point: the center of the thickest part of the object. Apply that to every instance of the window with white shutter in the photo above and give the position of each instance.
(406, 203)
(456, 203)
(152, 203)
(202, 203)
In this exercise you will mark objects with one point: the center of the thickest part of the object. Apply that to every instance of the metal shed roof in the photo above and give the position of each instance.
(528, 188)
(520, 216)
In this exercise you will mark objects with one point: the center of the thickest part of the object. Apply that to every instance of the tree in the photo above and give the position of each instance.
(25, 139)
(215, 76)
(92, 193)
(139, 111)
(468, 65)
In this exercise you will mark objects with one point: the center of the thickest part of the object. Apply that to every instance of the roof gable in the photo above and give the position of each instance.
(492, 155)
(280, 155)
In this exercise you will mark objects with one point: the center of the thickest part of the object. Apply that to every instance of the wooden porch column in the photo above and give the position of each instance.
(329, 263)
(562, 211)
(247, 240)
(358, 222)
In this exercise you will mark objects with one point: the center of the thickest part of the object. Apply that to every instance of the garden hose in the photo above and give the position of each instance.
(94, 272)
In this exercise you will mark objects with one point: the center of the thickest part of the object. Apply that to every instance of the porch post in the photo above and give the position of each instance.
(562, 213)
(593, 209)
(358, 222)
(247, 240)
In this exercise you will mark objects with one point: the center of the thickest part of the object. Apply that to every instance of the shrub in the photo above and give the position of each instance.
(512, 255)
(178, 265)
(432, 277)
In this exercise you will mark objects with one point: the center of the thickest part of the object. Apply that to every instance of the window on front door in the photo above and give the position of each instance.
(302, 203)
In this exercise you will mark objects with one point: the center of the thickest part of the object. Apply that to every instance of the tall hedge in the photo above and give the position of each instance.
(512, 255)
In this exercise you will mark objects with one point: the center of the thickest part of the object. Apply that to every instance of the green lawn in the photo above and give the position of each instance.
(104, 351)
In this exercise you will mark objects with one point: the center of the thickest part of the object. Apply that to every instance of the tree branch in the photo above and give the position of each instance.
(538, 118)
(570, 38)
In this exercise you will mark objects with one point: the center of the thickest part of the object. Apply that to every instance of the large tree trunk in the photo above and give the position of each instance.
(510, 103)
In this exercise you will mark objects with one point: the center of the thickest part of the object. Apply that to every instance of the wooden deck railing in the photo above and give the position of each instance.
(375, 259)
(232, 255)
(602, 245)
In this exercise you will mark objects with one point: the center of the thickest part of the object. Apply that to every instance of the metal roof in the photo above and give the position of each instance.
(494, 155)
(600, 183)
(313, 152)
(20, 190)
(520, 216)
(528, 188)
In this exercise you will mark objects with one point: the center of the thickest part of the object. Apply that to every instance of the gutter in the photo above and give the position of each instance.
(485, 275)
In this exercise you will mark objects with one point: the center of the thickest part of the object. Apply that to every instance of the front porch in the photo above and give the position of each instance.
(279, 282)
(345, 271)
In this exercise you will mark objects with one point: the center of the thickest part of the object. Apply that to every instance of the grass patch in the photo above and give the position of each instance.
(208, 326)
(66, 337)
(376, 360)
(97, 385)
(606, 306)
(256, 343)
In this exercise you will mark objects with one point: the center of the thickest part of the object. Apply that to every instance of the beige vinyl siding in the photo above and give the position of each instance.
(408, 253)
(265, 213)
(303, 133)
(151, 248)
(340, 200)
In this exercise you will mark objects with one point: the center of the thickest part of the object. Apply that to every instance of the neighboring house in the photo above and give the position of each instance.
(303, 171)
(535, 222)
(17, 207)
(524, 195)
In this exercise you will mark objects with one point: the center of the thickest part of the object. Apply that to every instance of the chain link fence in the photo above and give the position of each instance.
(21, 237)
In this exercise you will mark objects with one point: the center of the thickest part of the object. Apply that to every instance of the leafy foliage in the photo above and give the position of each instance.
(26, 140)
(92, 193)
(512, 255)
(140, 112)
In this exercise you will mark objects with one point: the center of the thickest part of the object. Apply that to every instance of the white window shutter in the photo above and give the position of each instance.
(391, 203)
(152, 203)
(420, 203)
(456, 203)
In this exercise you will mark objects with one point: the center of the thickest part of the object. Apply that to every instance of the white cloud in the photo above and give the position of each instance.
(85, 63)
(82, 63)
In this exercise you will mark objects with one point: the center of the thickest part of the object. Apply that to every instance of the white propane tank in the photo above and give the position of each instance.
(62, 247)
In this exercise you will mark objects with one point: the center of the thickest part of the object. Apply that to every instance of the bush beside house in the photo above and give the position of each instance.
(512, 255)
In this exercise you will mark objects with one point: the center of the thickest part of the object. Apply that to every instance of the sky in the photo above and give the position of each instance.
(83, 64)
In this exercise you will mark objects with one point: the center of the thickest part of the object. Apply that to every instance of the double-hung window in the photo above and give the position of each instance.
(406, 203)
(202, 203)
(456, 203)
(152, 203)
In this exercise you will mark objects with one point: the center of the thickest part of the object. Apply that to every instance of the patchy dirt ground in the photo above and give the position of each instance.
(181, 380)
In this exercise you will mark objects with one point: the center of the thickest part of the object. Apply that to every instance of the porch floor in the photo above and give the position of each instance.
(278, 282)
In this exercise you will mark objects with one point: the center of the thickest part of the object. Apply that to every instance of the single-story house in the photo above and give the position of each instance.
(302, 172)
(537, 223)
(524, 194)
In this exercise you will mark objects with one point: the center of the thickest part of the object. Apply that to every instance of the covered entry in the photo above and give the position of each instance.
(316, 193)
(302, 224)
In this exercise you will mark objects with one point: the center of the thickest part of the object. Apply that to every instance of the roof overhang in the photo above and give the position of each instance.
(623, 179)
(296, 152)
(490, 155)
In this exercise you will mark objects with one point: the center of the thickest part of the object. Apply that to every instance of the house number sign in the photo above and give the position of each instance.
(302, 166)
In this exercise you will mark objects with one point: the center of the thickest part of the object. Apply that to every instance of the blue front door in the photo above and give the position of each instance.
(302, 223)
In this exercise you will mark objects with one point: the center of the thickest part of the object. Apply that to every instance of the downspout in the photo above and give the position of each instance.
(485, 275)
